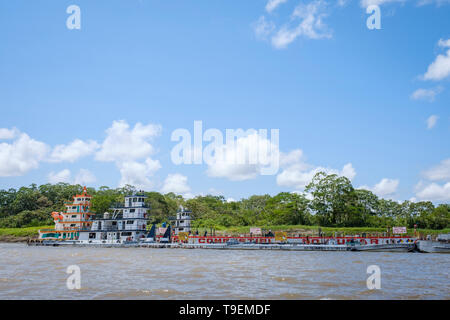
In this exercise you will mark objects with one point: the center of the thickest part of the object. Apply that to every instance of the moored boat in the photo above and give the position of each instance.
(441, 245)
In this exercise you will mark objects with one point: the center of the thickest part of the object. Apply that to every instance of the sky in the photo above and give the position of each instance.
(102, 104)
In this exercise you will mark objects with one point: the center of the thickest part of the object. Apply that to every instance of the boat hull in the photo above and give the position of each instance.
(401, 247)
(428, 246)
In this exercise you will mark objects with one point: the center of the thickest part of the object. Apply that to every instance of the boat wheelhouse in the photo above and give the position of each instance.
(182, 221)
(123, 223)
(68, 224)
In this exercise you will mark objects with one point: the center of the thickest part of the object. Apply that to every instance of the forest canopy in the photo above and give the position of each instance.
(329, 201)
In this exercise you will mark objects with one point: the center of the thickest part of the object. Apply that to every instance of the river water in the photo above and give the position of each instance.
(143, 273)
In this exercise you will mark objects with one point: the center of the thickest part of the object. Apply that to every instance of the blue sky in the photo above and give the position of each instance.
(369, 104)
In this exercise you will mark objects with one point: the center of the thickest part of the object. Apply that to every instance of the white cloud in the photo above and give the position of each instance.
(439, 69)
(348, 171)
(297, 173)
(73, 151)
(8, 134)
(366, 3)
(342, 3)
(431, 121)
(125, 144)
(433, 191)
(61, 176)
(84, 177)
(21, 155)
(310, 26)
(273, 4)
(426, 94)
(439, 172)
(245, 159)
(444, 43)
(138, 174)
(263, 28)
(386, 187)
(427, 2)
(176, 183)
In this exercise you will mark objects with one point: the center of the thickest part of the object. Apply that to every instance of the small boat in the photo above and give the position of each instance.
(441, 245)
(393, 247)
(355, 245)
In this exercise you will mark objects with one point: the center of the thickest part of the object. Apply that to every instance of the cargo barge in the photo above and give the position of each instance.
(126, 226)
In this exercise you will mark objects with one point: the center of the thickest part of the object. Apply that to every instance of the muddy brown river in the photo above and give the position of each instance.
(143, 273)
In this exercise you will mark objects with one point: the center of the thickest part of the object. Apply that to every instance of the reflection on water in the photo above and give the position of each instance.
(143, 273)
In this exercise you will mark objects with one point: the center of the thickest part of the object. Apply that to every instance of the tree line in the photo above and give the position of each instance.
(329, 200)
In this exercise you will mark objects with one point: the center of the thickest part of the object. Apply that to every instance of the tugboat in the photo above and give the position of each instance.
(124, 224)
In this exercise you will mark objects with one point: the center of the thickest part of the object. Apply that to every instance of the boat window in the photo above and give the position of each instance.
(130, 222)
(132, 210)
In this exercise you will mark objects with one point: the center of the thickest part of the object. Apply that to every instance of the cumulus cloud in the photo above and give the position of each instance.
(83, 177)
(138, 173)
(297, 173)
(439, 172)
(130, 149)
(309, 23)
(20, 155)
(444, 43)
(440, 68)
(61, 176)
(386, 187)
(178, 184)
(73, 151)
(431, 121)
(124, 144)
(8, 134)
(273, 4)
(248, 157)
(426, 94)
(433, 191)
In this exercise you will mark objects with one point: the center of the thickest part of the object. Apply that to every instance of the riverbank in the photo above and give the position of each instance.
(20, 234)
